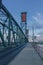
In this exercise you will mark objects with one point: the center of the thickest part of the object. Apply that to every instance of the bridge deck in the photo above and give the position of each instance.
(28, 56)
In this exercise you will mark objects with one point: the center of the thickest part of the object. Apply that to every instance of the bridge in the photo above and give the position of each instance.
(13, 40)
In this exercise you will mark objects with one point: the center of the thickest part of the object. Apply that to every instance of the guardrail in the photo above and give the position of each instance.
(38, 50)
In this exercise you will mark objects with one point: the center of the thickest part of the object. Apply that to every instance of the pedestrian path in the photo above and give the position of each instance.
(28, 56)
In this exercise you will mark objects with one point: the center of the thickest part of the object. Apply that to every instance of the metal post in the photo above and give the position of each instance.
(33, 33)
(13, 32)
(9, 32)
(3, 31)
(0, 3)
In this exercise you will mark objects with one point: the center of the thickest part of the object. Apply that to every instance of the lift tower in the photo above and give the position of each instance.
(24, 22)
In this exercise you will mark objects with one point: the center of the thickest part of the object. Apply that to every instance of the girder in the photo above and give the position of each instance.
(10, 31)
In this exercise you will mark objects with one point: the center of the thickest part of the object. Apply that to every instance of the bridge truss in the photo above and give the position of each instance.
(10, 32)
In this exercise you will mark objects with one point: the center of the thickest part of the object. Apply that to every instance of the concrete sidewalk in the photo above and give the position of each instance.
(28, 56)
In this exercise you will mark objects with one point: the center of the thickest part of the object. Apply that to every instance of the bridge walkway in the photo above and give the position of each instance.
(28, 56)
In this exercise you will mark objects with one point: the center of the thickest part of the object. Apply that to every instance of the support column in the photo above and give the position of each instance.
(0, 3)
(9, 31)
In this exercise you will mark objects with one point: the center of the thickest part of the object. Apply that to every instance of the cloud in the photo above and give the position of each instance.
(38, 18)
(36, 21)
(41, 32)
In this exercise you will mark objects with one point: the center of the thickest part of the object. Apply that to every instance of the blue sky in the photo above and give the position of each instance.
(34, 9)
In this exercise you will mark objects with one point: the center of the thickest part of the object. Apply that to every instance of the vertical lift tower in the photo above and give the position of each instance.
(24, 23)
